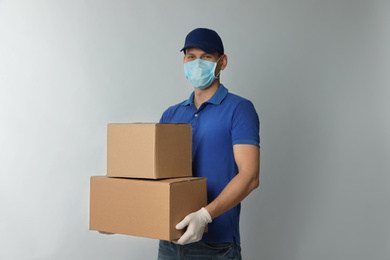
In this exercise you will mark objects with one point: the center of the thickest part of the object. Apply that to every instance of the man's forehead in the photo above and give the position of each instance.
(194, 50)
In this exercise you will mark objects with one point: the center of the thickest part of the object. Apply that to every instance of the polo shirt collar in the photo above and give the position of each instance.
(216, 99)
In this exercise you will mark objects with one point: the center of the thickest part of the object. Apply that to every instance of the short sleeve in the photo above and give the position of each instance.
(165, 117)
(245, 124)
(162, 119)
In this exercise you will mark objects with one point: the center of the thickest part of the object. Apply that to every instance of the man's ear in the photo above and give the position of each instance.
(224, 61)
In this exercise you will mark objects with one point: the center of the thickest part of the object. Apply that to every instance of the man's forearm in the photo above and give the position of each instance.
(237, 190)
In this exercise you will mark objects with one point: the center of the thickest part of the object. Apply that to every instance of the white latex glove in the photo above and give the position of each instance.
(195, 223)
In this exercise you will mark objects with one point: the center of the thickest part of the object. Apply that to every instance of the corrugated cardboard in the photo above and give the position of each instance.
(151, 150)
(145, 208)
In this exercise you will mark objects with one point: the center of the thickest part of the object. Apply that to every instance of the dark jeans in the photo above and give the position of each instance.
(199, 251)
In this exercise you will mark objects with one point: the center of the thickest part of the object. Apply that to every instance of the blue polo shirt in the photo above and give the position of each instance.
(221, 122)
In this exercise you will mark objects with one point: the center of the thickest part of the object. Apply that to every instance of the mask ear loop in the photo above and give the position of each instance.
(216, 63)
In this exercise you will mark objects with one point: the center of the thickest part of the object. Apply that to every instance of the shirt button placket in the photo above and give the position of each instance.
(195, 122)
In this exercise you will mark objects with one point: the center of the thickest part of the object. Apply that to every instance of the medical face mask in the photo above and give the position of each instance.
(200, 73)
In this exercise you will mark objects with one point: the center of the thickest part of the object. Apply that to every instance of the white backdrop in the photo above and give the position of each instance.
(316, 71)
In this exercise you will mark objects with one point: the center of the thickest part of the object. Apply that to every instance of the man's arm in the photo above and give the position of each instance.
(247, 158)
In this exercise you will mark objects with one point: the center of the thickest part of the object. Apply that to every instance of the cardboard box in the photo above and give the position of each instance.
(149, 150)
(145, 208)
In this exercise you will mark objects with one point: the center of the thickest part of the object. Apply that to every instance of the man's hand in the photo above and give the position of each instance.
(195, 223)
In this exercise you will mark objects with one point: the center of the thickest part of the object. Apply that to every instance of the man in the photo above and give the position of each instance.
(225, 130)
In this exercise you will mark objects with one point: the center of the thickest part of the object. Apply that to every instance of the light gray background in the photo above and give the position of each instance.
(316, 71)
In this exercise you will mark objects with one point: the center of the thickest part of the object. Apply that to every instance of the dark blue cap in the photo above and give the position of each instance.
(204, 39)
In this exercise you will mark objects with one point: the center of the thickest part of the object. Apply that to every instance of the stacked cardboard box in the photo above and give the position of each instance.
(148, 188)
